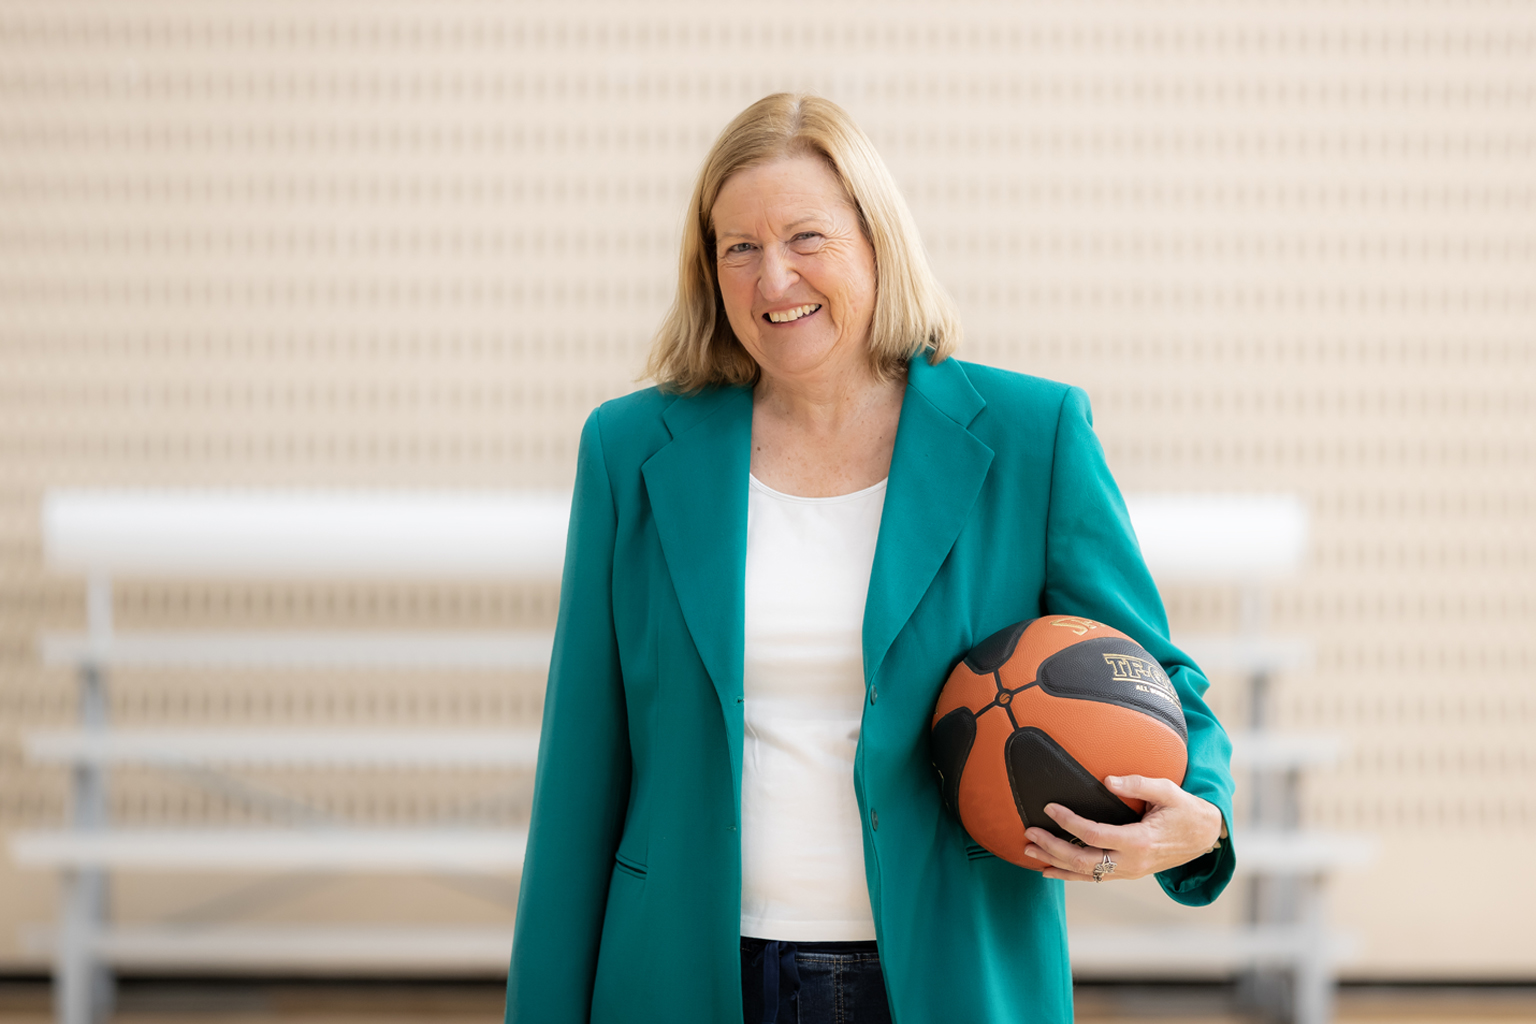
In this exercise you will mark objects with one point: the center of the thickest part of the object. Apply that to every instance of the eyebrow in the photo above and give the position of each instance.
(720, 236)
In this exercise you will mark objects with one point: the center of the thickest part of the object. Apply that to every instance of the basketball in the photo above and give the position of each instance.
(1040, 713)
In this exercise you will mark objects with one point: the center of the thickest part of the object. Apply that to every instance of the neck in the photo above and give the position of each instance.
(824, 403)
(821, 436)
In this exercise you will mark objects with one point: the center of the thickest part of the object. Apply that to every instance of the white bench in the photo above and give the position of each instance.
(103, 535)
(1249, 542)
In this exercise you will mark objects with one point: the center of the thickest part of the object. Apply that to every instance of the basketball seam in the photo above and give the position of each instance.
(997, 677)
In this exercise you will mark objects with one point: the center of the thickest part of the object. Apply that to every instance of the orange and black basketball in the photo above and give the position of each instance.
(1040, 713)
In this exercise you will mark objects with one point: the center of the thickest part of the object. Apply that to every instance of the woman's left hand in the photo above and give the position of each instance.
(1176, 828)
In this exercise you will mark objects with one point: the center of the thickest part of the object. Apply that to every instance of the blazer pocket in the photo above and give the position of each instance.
(975, 852)
(629, 866)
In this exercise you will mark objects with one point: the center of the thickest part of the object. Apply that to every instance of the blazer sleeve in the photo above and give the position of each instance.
(581, 787)
(1094, 569)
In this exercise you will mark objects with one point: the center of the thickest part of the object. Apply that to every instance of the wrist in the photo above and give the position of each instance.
(1221, 837)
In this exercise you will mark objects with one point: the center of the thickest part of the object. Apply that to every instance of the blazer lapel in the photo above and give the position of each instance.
(697, 486)
(698, 490)
(937, 470)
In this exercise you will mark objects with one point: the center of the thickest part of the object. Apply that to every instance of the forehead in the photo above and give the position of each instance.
(778, 190)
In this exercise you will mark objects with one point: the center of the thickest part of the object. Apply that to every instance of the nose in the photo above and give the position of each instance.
(777, 274)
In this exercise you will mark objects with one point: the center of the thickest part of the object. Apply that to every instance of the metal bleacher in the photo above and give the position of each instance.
(1284, 947)
(103, 535)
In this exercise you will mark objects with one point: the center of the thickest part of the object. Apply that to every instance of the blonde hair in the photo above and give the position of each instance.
(695, 347)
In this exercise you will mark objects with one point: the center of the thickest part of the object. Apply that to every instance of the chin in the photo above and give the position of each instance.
(799, 357)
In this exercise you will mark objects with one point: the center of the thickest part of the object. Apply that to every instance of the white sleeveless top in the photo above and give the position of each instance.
(802, 844)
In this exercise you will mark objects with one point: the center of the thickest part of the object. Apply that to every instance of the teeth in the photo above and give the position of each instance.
(786, 315)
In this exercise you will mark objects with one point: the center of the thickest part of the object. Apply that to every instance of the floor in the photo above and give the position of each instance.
(1131, 1004)
(26, 1002)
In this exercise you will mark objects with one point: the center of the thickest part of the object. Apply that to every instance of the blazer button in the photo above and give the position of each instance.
(874, 820)
(874, 694)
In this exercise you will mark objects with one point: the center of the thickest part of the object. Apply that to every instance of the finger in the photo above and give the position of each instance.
(1094, 833)
(1061, 853)
(1071, 876)
(1140, 787)
(1058, 854)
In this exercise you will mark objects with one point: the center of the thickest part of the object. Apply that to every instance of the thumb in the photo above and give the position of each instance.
(1139, 787)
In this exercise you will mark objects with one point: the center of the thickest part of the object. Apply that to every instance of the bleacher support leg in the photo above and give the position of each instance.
(1314, 986)
(83, 986)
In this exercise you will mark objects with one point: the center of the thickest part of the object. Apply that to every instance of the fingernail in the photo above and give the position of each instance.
(1051, 809)
(1113, 778)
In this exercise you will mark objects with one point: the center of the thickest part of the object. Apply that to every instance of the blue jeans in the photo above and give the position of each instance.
(812, 983)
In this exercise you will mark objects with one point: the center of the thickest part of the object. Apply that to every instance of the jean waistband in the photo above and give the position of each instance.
(858, 947)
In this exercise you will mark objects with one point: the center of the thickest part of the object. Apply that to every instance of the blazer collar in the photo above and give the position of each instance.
(937, 470)
(698, 487)
(698, 490)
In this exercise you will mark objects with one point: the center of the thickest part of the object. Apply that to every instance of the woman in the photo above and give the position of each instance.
(774, 560)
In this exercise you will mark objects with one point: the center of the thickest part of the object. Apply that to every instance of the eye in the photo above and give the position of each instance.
(737, 249)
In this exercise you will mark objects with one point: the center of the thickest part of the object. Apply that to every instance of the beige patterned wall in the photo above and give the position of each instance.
(1284, 247)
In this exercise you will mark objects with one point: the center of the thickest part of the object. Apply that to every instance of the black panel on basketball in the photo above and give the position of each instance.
(1113, 671)
(952, 739)
(993, 652)
(1041, 773)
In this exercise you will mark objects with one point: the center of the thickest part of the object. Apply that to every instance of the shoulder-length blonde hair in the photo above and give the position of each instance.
(695, 347)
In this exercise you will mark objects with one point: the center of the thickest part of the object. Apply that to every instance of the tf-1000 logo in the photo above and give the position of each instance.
(1147, 676)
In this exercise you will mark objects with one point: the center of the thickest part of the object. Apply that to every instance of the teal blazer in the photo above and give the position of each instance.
(999, 508)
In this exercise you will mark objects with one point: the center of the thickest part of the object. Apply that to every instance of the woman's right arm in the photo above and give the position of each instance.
(581, 789)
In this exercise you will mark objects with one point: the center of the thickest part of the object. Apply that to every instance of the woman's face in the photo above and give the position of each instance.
(796, 273)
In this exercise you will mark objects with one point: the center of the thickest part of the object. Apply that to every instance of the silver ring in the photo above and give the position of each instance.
(1103, 867)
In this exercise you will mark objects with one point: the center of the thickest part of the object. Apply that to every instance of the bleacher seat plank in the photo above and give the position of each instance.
(467, 748)
(1208, 951)
(1229, 537)
(501, 651)
(1246, 655)
(1288, 852)
(246, 849)
(297, 950)
(1269, 750)
(303, 534)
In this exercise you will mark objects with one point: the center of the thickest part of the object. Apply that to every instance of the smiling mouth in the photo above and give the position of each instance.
(784, 316)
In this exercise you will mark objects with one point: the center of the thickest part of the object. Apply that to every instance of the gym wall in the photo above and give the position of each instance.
(1284, 248)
